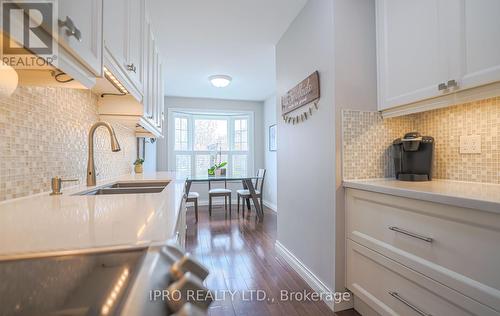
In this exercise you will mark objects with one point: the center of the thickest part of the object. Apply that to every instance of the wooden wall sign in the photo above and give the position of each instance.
(302, 94)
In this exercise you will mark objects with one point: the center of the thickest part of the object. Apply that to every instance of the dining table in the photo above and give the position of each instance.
(248, 184)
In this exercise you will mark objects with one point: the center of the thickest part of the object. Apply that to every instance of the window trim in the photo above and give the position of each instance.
(171, 152)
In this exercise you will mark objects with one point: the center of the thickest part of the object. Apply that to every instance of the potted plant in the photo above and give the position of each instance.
(218, 169)
(138, 165)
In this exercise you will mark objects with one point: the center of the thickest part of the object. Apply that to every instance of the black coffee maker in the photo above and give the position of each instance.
(413, 155)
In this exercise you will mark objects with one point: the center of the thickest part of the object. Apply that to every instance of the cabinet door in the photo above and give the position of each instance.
(155, 86)
(115, 22)
(86, 42)
(162, 99)
(481, 38)
(148, 67)
(135, 48)
(411, 56)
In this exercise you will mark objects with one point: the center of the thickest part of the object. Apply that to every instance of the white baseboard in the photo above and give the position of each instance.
(270, 205)
(310, 278)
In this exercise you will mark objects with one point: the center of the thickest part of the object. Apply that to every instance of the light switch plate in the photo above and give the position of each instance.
(470, 144)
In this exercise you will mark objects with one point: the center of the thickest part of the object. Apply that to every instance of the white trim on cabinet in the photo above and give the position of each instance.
(460, 97)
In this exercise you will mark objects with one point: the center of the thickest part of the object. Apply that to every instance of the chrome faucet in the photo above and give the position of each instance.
(115, 146)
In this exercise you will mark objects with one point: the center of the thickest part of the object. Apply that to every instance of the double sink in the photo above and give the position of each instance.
(128, 188)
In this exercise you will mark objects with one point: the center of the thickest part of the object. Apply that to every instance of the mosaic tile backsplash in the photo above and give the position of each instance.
(43, 134)
(367, 141)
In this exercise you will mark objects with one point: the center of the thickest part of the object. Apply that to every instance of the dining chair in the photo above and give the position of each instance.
(245, 193)
(219, 192)
(192, 198)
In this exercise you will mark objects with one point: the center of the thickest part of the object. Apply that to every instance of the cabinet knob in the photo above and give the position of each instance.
(131, 67)
(71, 29)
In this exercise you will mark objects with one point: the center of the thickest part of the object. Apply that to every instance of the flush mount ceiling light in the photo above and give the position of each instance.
(220, 81)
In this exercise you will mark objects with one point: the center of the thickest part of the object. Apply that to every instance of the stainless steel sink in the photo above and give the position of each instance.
(128, 188)
(139, 184)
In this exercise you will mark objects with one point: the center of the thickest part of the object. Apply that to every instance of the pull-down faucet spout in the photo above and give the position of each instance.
(115, 146)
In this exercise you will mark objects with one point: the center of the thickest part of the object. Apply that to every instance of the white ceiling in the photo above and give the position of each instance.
(199, 38)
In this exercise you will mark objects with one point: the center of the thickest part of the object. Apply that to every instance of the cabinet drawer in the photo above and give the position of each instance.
(455, 246)
(392, 289)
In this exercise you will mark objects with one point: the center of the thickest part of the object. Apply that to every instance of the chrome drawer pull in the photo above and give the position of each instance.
(452, 83)
(414, 235)
(442, 86)
(410, 305)
(131, 67)
(71, 29)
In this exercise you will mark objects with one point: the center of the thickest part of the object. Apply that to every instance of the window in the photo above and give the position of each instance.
(240, 134)
(210, 132)
(181, 133)
(200, 140)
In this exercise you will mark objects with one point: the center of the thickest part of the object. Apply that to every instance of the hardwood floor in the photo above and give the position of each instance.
(241, 257)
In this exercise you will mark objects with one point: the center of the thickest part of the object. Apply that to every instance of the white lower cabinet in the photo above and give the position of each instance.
(390, 288)
(439, 259)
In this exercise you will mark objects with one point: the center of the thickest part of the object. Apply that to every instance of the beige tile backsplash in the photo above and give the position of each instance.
(367, 140)
(43, 133)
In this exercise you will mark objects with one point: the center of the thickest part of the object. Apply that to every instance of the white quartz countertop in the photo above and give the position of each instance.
(480, 196)
(44, 223)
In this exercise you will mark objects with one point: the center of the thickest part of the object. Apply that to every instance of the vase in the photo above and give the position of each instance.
(220, 172)
(138, 168)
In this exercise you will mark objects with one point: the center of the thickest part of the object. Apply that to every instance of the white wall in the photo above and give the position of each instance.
(150, 156)
(215, 104)
(270, 186)
(337, 38)
(306, 156)
(355, 88)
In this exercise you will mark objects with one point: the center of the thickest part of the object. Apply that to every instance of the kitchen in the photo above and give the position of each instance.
(302, 157)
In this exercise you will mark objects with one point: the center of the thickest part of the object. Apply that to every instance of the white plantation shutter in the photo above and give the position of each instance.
(194, 137)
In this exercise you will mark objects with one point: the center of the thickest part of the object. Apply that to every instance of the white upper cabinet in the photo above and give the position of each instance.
(115, 23)
(149, 88)
(153, 79)
(432, 48)
(135, 48)
(156, 87)
(123, 34)
(80, 31)
(481, 42)
(410, 60)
